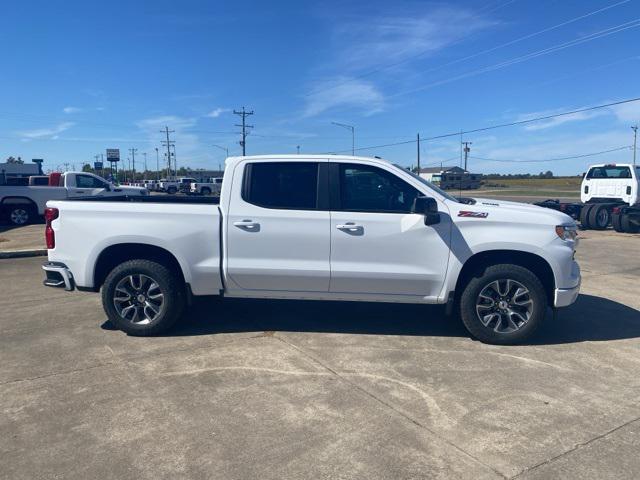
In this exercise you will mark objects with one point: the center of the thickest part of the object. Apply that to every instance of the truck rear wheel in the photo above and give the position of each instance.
(504, 304)
(599, 217)
(627, 225)
(206, 191)
(616, 221)
(142, 297)
(21, 214)
(172, 190)
(584, 216)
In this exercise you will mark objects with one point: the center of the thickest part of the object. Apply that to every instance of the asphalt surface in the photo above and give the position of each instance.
(291, 390)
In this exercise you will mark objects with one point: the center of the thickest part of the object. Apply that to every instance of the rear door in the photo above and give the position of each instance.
(378, 245)
(278, 226)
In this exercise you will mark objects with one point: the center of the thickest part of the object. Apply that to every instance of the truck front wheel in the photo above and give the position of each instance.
(142, 297)
(504, 304)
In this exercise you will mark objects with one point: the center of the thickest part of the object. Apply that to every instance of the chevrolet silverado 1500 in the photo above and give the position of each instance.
(323, 228)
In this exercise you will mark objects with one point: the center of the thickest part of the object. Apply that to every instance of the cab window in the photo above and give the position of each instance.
(365, 188)
(87, 181)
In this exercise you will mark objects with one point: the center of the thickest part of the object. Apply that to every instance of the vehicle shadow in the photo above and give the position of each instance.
(591, 318)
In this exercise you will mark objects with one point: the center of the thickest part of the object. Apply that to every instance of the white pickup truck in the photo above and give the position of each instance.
(212, 186)
(321, 228)
(23, 204)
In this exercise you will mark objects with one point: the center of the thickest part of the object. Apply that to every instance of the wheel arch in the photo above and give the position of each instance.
(116, 254)
(531, 261)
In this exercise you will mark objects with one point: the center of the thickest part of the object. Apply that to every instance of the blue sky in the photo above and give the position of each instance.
(79, 77)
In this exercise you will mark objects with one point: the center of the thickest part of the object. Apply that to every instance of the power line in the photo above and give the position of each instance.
(474, 55)
(587, 38)
(572, 157)
(502, 125)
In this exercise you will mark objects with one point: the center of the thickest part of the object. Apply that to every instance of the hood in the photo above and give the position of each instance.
(502, 210)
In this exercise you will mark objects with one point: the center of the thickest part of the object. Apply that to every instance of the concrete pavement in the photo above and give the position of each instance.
(275, 389)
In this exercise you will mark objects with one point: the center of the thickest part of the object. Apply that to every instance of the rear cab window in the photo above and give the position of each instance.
(281, 185)
(608, 171)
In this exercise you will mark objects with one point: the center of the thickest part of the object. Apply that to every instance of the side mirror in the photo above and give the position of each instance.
(428, 207)
(107, 187)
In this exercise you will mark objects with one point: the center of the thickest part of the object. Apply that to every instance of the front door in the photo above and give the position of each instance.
(377, 245)
(87, 186)
(277, 230)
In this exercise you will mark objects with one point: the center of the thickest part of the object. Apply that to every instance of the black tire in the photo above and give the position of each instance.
(616, 221)
(163, 316)
(21, 214)
(499, 331)
(599, 217)
(584, 217)
(172, 190)
(627, 225)
(206, 191)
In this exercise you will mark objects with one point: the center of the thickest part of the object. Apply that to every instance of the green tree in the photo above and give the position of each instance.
(15, 160)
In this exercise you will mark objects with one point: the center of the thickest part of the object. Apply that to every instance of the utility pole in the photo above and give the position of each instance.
(133, 158)
(244, 114)
(157, 164)
(635, 142)
(418, 136)
(466, 150)
(168, 144)
(144, 175)
(353, 135)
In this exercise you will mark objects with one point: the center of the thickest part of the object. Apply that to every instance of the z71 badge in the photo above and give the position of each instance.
(467, 213)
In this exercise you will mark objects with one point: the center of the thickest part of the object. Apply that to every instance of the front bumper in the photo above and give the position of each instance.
(566, 296)
(57, 275)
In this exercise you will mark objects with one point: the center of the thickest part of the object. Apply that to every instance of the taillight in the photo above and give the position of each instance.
(50, 214)
(616, 210)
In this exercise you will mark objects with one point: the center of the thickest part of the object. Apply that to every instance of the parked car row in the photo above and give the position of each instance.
(211, 186)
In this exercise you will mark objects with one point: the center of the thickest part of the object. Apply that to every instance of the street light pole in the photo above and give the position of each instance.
(635, 142)
(226, 150)
(157, 165)
(353, 135)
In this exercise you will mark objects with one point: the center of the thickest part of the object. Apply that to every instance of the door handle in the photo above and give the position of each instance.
(350, 227)
(248, 225)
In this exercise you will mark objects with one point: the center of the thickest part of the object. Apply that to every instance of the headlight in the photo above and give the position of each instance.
(567, 232)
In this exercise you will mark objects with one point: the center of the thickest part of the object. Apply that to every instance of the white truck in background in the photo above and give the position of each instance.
(317, 228)
(609, 195)
(24, 204)
(213, 186)
(173, 186)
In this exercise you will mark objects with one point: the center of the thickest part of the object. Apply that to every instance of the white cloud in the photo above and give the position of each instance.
(387, 37)
(69, 110)
(215, 113)
(344, 92)
(627, 112)
(557, 121)
(46, 132)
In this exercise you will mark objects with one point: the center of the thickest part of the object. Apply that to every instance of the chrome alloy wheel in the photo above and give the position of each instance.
(138, 299)
(504, 305)
(19, 216)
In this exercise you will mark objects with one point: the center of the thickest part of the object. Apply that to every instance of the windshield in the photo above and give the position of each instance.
(427, 183)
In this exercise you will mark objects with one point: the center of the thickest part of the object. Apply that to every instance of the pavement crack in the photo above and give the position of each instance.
(574, 448)
(388, 405)
(56, 374)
